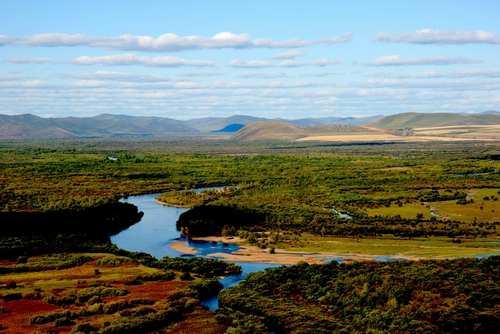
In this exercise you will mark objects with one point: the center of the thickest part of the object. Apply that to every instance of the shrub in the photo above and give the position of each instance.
(83, 328)
(114, 260)
(185, 276)
(64, 322)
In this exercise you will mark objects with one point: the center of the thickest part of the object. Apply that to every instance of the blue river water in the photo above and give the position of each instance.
(156, 232)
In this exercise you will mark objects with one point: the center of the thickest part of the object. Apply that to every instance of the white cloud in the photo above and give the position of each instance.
(89, 83)
(476, 73)
(250, 64)
(288, 54)
(343, 38)
(286, 63)
(291, 63)
(166, 42)
(469, 73)
(30, 60)
(315, 75)
(6, 40)
(432, 36)
(262, 75)
(201, 74)
(10, 78)
(109, 75)
(325, 62)
(396, 60)
(132, 59)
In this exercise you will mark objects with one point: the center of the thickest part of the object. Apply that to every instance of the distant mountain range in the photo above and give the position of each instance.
(31, 126)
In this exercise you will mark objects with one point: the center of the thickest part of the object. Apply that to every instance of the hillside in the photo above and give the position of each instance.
(30, 126)
(270, 130)
(217, 123)
(412, 120)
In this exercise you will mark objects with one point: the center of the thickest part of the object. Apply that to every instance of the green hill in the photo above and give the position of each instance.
(30, 126)
(412, 120)
(270, 130)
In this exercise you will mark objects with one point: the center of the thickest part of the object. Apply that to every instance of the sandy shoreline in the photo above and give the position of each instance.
(167, 204)
(256, 254)
(181, 247)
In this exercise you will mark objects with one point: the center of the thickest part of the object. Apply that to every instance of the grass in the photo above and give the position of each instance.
(479, 211)
(420, 247)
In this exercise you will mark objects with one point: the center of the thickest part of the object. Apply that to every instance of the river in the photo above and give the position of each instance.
(156, 232)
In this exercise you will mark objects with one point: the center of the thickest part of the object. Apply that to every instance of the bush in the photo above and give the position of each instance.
(114, 261)
(64, 322)
(207, 288)
(185, 276)
(83, 328)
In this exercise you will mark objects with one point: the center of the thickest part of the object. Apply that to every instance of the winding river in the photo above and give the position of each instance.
(156, 232)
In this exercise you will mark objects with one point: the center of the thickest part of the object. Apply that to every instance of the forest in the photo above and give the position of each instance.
(59, 203)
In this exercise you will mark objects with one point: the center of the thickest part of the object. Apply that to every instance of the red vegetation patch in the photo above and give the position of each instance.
(22, 310)
(200, 321)
(153, 290)
(57, 291)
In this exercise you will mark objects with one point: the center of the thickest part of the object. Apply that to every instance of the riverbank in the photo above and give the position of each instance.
(167, 204)
(377, 249)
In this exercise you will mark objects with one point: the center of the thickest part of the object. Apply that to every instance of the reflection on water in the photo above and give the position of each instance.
(205, 248)
(156, 230)
(247, 267)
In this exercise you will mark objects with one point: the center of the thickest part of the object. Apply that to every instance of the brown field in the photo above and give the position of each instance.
(365, 137)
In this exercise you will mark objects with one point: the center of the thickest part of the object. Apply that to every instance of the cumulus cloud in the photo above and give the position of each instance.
(432, 36)
(6, 40)
(201, 74)
(166, 42)
(109, 75)
(288, 54)
(250, 64)
(262, 75)
(469, 73)
(318, 74)
(343, 38)
(132, 59)
(396, 60)
(325, 62)
(286, 63)
(476, 73)
(30, 60)
(291, 63)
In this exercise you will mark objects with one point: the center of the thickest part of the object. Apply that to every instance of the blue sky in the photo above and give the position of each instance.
(290, 59)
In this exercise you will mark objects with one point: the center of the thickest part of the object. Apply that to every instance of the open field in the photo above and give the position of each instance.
(480, 210)
(364, 137)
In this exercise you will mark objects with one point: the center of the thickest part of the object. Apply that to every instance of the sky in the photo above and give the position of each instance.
(276, 59)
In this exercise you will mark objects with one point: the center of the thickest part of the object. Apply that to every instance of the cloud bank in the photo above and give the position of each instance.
(396, 60)
(432, 36)
(166, 42)
(132, 59)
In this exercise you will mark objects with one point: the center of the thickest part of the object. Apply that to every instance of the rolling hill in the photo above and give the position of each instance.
(30, 126)
(209, 124)
(414, 120)
(270, 130)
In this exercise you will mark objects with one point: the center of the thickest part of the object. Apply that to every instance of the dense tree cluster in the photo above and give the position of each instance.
(451, 296)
